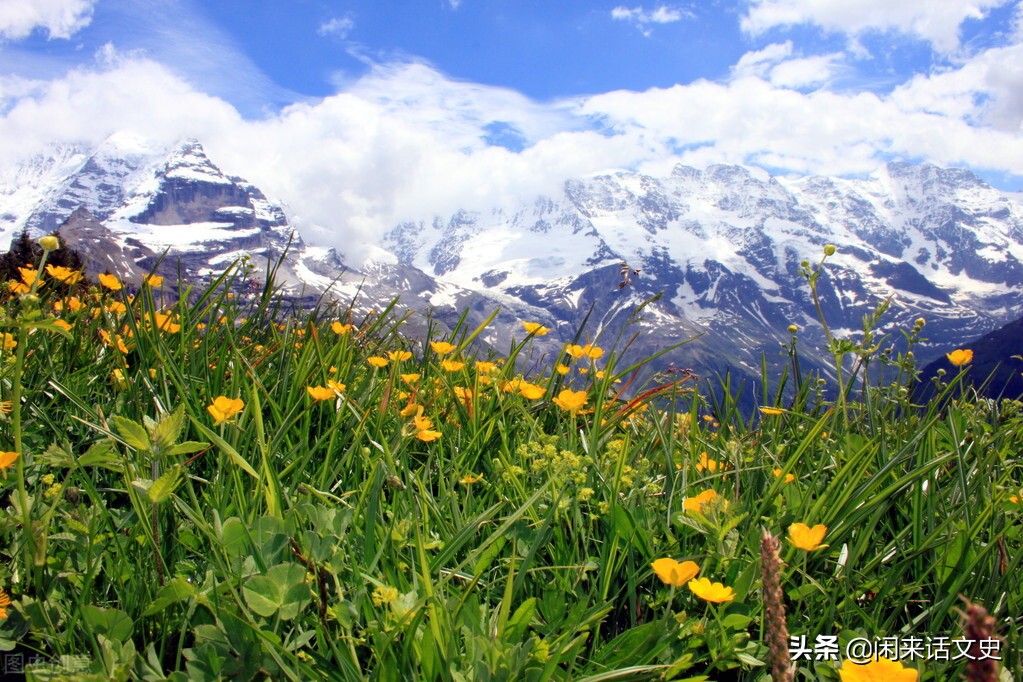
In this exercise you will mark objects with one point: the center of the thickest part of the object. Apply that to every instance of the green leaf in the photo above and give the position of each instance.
(101, 454)
(187, 448)
(224, 446)
(57, 457)
(131, 433)
(175, 591)
(112, 623)
(165, 486)
(515, 630)
(168, 429)
(283, 589)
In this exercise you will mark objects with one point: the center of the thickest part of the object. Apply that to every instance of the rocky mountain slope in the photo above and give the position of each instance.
(711, 255)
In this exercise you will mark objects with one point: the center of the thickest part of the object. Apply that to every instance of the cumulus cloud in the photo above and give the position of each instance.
(935, 22)
(407, 142)
(338, 27)
(642, 17)
(59, 18)
(776, 64)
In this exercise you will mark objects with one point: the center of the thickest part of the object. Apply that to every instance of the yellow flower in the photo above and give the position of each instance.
(422, 423)
(442, 347)
(561, 369)
(166, 323)
(535, 328)
(713, 592)
(410, 378)
(804, 537)
(119, 380)
(110, 282)
(589, 350)
(707, 464)
(377, 361)
(5, 602)
(484, 367)
(771, 411)
(428, 435)
(9, 341)
(63, 324)
(340, 329)
(320, 392)
(788, 477)
(399, 355)
(570, 401)
(154, 281)
(116, 308)
(469, 479)
(698, 502)
(531, 391)
(336, 386)
(17, 287)
(878, 670)
(7, 459)
(224, 409)
(451, 365)
(675, 573)
(28, 275)
(384, 594)
(960, 357)
(62, 274)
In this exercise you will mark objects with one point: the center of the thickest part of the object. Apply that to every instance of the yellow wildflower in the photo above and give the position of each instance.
(960, 357)
(399, 355)
(320, 392)
(377, 361)
(788, 477)
(110, 281)
(410, 378)
(5, 602)
(712, 592)
(341, 329)
(62, 274)
(442, 347)
(7, 459)
(336, 386)
(675, 573)
(9, 341)
(28, 275)
(535, 328)
(877, 670)
(119, 380)
(804, 537)
(166, 324)
(696, 503)
(707, 464)
(384, 594)
(484, 367)
(428, 435)
(451, 365)
(531, 391)
(116, 308)
(571, 401)
(153, 281)
(561, 369)
(63, 324)
(224, 409)
(469, 479)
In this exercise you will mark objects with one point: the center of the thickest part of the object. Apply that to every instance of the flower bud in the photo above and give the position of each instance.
(920, 322)
(793, 329)
(49, 242)
(829, 249)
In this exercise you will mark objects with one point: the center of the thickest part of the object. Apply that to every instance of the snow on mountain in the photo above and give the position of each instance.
(713, 254)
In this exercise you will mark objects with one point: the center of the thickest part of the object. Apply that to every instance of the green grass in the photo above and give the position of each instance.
(323, 539)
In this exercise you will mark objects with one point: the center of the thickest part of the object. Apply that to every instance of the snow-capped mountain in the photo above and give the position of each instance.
(127, 202)
(713, 254)
(722, 248)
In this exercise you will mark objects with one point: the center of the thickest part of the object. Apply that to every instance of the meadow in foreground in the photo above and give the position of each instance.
(212, 489)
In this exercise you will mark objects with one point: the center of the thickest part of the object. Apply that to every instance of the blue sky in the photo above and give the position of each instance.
(368, 111)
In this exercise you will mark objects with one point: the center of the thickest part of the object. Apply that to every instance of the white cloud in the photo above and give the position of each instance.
(338, 26)
(406, 142)
(59, 18)
(773, 63)
(935, 21)
(643, 18)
